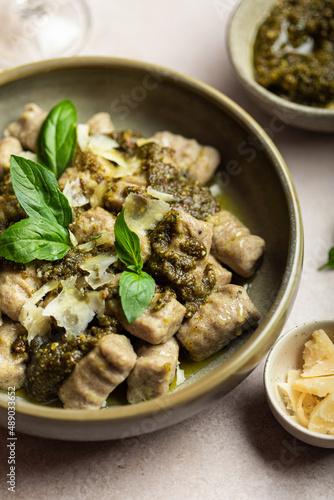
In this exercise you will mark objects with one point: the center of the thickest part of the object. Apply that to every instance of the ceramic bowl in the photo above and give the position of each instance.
(255, 180)
(286, 354)
(241, 34)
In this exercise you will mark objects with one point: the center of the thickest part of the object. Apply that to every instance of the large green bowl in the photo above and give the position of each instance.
(255, 180)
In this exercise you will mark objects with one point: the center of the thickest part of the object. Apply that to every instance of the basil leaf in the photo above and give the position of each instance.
(137, 288)
(37, 191)
(31, 239)
(330, 262)
(57, 138)
(136, 292)
(127, 245)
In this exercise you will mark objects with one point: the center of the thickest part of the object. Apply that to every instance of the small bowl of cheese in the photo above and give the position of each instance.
(299, 382)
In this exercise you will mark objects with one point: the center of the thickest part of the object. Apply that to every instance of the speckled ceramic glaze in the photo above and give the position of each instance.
(241, 34)
(253, 176)
(285, 355)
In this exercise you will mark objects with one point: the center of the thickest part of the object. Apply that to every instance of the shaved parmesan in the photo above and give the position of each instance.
(73, 239)
(319, 386)
(31, 315)
(86, 247)
(74, 309)
(309, 393)
(306, 404)
(142, 213)
(158, 194)
(115, 156)
(96, 267)
(123, 167)
(104, 238)
(318, 355)
(322, 417)
(293, 375)
(141, 141)
(104, 146)
(96, 143)
(290, 395)
(74, 194)
(96, 199)
(83, 136)
(100, 144)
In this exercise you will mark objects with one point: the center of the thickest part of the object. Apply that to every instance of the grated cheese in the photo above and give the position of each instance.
(309, 393)
(100, 144)
(104, 146)
(74, 194)
(83, 136)
(96, 199)
(142, 214)
(74, 309)
(141, 141)
(159, 195)
(31, 315)
(97, 267)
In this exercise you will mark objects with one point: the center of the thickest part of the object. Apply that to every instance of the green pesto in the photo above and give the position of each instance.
(127, 140)
(294, 52)
(164, 295)
(89, 162)
(6, 187)
(163, 176)
(64, 268)
(51, 362)
(172, 267)
(10, 210)
(67, 266)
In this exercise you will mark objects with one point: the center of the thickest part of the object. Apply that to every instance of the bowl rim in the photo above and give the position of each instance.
(253, 351)
(290, 425)
(255, 88)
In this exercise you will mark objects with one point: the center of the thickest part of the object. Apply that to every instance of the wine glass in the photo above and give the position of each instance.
(32, 30)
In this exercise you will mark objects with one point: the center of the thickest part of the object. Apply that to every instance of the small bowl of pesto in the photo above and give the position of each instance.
(282, 53)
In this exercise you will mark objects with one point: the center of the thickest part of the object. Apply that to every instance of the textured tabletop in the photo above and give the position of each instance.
(235, 449)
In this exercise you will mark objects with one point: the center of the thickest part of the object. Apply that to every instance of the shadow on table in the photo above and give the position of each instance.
(280, 450)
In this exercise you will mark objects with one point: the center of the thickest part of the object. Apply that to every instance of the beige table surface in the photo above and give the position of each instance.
(235, 449)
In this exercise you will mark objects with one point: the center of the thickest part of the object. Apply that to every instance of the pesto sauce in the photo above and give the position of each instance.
(294, 52)
(163, 175)
(51, 360)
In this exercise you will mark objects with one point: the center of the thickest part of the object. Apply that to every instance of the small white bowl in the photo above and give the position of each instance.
(286, 354)
(241, 34)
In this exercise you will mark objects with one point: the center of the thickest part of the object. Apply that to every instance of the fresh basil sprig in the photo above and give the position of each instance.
(38, 193)
(43, 235)
(57, 138)
(136, 292)
(330, 262)
(31, 239)
(136, 288)
(127, 245)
